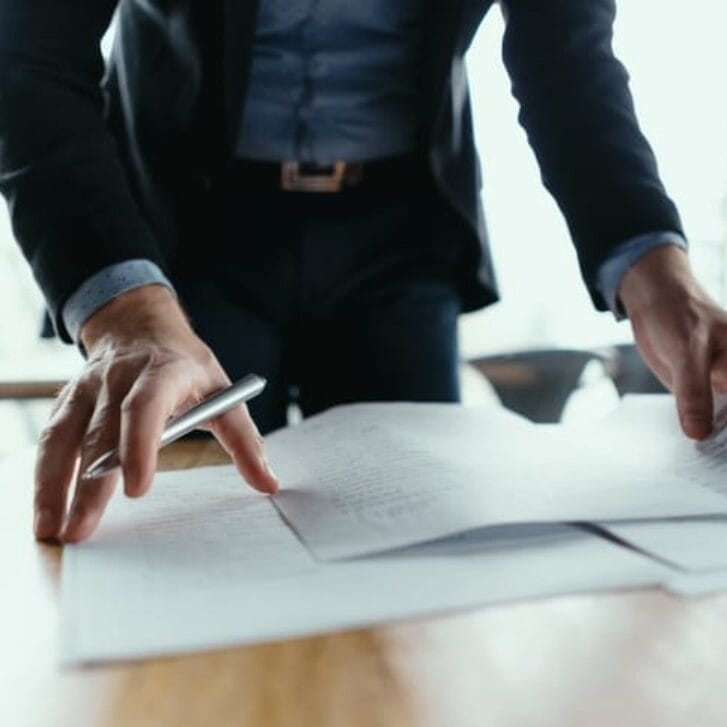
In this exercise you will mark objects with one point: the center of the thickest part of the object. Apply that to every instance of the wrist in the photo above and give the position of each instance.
(662, 275)
(150, 311)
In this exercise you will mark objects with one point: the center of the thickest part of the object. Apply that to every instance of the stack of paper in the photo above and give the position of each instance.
(387, 511)
(370, 477)
(204, 562)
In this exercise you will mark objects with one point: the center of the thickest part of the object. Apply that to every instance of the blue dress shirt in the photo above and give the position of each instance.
(612, 271)
(333, 79)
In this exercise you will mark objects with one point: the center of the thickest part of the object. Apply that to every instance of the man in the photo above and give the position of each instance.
(299, 178)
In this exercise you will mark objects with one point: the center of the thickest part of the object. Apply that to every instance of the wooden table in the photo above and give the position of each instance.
(640, 658)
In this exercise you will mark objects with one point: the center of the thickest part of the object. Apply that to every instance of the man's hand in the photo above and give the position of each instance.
(145, 365)
(681, 333)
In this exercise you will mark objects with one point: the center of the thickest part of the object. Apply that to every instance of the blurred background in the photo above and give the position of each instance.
(676, 56)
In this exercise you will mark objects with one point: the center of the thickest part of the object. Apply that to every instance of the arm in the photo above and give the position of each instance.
(106, 285)
(623, 258)
(579, 116)
(71, 206)
(74, 215)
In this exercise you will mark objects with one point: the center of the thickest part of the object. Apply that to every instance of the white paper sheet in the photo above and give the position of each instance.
(202, 562)
(692, 585)
(647, 427)
(692, 544)
(369, 477)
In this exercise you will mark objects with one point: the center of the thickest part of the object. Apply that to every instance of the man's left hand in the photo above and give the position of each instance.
(681, 333)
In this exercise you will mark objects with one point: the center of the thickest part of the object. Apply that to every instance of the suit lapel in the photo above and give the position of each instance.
(442, 19)
(446, 24)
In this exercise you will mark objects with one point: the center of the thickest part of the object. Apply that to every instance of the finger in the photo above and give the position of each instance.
(144, 413)
(89, 504)
(692, 387)
(91, 496)
(58, 451)
(238, 434)
(64, 393)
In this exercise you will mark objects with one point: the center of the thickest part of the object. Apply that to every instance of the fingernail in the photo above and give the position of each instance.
(44, 523)
(697, 428)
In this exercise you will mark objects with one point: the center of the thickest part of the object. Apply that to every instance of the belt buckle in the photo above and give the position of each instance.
(294, 178)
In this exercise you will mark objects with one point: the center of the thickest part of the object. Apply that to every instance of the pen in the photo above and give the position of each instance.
(243, 390)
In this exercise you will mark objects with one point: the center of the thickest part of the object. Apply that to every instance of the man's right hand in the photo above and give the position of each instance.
(145, 365)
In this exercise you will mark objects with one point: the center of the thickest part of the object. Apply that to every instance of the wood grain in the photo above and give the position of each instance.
(640, 658)
(20, 389)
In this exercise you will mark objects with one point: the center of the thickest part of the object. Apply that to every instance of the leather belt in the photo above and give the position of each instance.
(299, 177)
(333, 178)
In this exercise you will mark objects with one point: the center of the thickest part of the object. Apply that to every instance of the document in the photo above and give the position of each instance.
(698, 584)
(366, 478)
(203, 562)
(689, 543)
(646, 427)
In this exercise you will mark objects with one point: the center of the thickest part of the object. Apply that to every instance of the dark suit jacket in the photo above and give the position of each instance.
(95, 175)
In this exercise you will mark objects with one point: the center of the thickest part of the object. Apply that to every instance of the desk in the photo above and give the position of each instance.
(639, 658)
(40, 372)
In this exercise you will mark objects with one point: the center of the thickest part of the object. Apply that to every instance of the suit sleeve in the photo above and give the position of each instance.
(70, 204)
(577, 110)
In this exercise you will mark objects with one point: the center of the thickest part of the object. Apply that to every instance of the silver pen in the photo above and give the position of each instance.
(212, 407)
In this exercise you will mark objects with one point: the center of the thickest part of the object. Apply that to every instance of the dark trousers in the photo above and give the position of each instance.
(334, 298)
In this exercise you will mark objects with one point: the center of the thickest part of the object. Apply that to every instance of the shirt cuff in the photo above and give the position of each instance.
(105, 285)
(612, 271)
